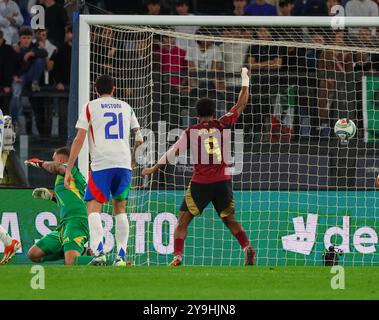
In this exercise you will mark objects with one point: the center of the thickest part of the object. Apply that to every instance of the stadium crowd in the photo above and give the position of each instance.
(32, 61)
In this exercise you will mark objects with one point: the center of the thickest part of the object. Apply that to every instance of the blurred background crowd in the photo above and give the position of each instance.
(35, 64)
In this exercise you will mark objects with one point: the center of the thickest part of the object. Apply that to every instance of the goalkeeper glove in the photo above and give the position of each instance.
(245, 77)
(34, 162)
(43, 193)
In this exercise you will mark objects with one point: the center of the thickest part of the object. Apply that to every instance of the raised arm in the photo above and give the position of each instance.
(243, 97)
(232, 116)
(169, 157)
(50, 166)
(163, 161)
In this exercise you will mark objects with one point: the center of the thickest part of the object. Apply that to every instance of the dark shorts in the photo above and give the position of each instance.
(199, 195)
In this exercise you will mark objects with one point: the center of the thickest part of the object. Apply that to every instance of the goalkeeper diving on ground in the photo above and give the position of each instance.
(211, 181)
(68, 239)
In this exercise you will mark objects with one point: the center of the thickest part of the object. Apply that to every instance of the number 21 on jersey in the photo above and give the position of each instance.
(115, 120)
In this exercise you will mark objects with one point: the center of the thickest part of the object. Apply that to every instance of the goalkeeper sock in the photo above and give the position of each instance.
(242, 239)
(178, 246)
(122, 234)
(5, 237)
(96, 232)
(83, 260)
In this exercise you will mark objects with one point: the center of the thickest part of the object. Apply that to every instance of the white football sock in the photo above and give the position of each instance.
(122, 234)
(96, 232)
(5, 237)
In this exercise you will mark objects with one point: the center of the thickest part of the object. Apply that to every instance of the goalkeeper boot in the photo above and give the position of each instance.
(10, 251)
(100, 260)
(119, 262)
(177, 261)
(249, 253)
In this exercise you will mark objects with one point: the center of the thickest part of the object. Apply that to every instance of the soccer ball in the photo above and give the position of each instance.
(345, 129)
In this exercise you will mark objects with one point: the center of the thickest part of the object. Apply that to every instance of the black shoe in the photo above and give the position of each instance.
(249, 256)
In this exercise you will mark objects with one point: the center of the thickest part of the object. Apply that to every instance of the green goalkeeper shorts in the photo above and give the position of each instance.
(72, 235)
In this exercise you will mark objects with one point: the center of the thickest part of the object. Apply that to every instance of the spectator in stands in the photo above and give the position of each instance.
(285, 7)
(104, 52)
(55, 21)
(10, 20)
(234, 58)
(330, 4)
(42, 40)
(234, 53)
(154, 7)
(363, 60)
(333, 67)
(133, 72)
(260, 8)
(312, 54)
(62, 62)
(308, 99)
(264, 57)
(205, 65)
(182, 9)
(264, 61)
(205, 57)
(61, 72)
(6, 65)
(173, 63)
(239, 7)
(309, 8)
(29, 66)
(43, 111)
(361, 8)
(174, 82)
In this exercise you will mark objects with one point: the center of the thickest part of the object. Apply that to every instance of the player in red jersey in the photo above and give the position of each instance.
(211, 181)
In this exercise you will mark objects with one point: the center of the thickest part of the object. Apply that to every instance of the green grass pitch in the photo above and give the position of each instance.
(197, 283)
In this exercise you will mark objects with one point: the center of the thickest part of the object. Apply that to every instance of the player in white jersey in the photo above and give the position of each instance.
(10, 245)
(107, 122)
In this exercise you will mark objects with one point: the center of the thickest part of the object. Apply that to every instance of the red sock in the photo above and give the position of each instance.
(242, 239)
(178, 247)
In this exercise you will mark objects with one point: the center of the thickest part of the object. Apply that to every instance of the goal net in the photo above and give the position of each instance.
(298, 189)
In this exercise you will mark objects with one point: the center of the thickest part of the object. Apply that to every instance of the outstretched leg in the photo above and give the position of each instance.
(180, 234)
(236, 229)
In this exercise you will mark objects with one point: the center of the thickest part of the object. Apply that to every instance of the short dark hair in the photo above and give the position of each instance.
(26, 31)
(153, 2)
(63, 151)
(205, 107)
(181, 2)
(283, 3)
(1, 34)
(104, 84)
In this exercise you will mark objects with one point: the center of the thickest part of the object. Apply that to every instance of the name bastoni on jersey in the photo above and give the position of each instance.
(111, 106)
